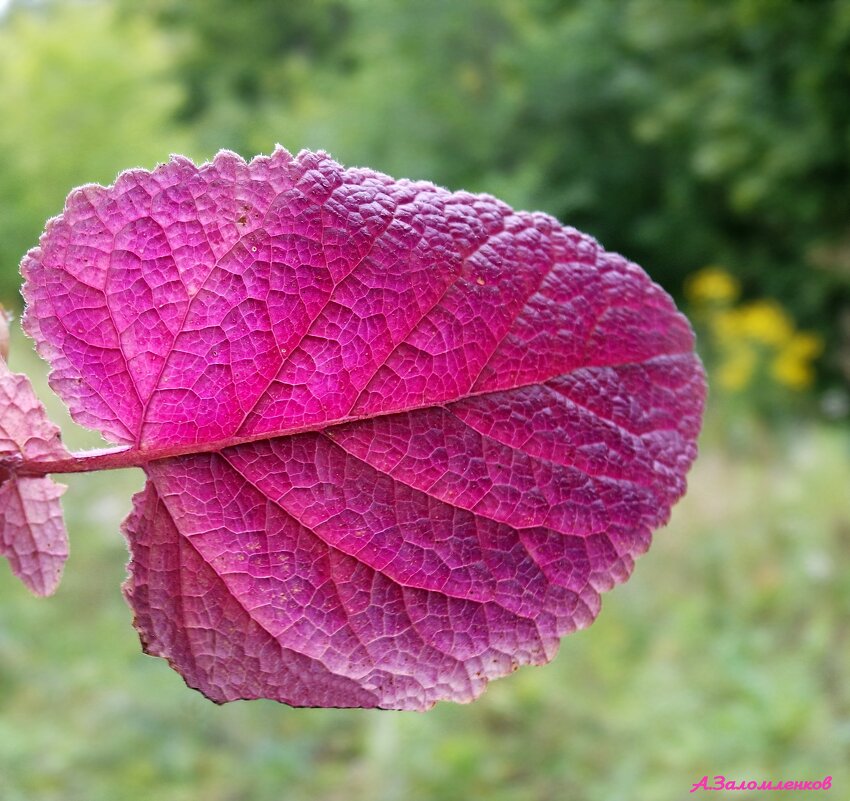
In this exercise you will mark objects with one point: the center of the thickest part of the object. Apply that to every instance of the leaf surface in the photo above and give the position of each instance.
(32, 531)
(397, 439)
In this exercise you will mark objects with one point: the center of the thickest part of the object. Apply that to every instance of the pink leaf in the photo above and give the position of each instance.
(32, 532)
(397, 439)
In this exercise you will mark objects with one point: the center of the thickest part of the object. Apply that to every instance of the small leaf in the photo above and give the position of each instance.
(32, 532)
(397, 439)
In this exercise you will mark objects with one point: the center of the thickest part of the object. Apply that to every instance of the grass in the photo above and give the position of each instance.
(727, 652)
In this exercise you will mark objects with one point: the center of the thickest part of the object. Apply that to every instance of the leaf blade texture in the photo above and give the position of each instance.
(32, 531)
(401, 438)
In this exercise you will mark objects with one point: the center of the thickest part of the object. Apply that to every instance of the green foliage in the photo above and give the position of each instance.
(240, 60)
(680, 133)
(80, 99)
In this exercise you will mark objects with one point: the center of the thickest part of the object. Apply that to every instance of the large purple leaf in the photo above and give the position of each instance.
(397, 439)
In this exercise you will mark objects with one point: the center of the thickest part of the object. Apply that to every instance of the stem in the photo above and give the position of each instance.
(116, 458)
(123, 456)
(84, 462)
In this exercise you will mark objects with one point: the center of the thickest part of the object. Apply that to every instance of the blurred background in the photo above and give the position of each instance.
(708, 141)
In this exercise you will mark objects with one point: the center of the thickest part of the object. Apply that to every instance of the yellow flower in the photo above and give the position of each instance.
(792, 366)
(805, 345)
(752, 341)
(765, 322)
(712, 285)
(792, 373)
